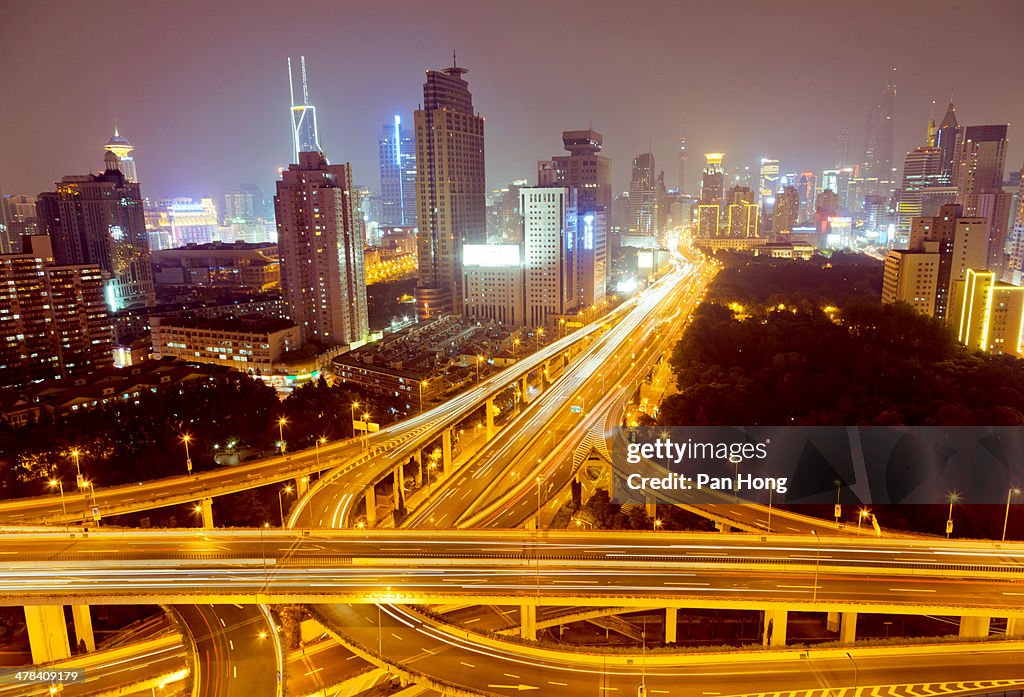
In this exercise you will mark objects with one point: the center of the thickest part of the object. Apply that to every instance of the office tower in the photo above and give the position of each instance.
(122, 149)
(323, 278)
(683, 155)
(305, 136)
(878, 138)
(876, 213)
(549, 223)
(807, 185)
(397, 150)
(842, 158)
(768, 180)
(643, 196)
(922, 169)
(244, 202)
(589, 175)
(946, 137)
(787, 208)
(712, 188)
(98, 219)
(978, 170)
(742, 212)
(55, 322)
(709, 219)
(450, 189)
(494, 283)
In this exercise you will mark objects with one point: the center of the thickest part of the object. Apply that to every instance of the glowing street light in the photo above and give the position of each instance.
(186, 439)
(479, 360)
(60, 486)
(280, 501)
(864, 513)
(539, 334)
(953, 498)
(1006, 518)
(319, 441)
(78, 468)
(280, 432)
(515, 345)
(423, 383)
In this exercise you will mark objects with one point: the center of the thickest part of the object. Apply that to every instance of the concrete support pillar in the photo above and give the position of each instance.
(47, 633)
(371, 506)
(207, 506)
(446, 451)
(832, 622)
(544, 370)
(651, 507)
(671, 624)
(723, 527)
(974, 626)
(775, 627)
(848, 628)
(489, 418)
(1015, 626)
(417, 458)
(524, 386)
(301, 486)
(83, 626)
(528, 622)
(398, 487)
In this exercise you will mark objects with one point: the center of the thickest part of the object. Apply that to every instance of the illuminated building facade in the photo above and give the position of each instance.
(494, 283)
(712, 188)
(768, 181)
(99, 219)
(978, 171)
(709, 218)
(323, 277)
(912, 276)
(450, 189)
(643, 197)
(787, 207)
(54, 321)
(247, 345)
(743, 212)
(122, 150)
(397, 151)
(991, 317)
(922, 169)
(549, 227)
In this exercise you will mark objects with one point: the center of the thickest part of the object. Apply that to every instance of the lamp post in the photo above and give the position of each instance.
(280, 501)
(423, 383)
(366, 430)
(352, 407)
(78, 468)
(1006, 518)
(864, 513)
(856, 671)
(953, 498)
(60, 486)
(515, 345)
(186, 439)
(838, 512)
(538, 335)
(280, 431)
(479, 360)
(319, 441)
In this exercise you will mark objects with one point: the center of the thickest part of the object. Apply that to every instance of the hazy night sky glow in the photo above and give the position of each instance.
(201, 88)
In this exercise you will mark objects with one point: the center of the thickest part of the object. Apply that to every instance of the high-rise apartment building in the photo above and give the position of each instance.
(323, 277)
(742, 213)
(53, 318)
(17, 220)
(549, 226)
(589, 175)
(787, 208)
(99, 219)
(450, 189)
(397, 150)
(712, 188)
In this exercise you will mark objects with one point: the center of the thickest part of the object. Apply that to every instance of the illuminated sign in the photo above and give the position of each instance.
(490, 255)
(588, 231)
(645, 260)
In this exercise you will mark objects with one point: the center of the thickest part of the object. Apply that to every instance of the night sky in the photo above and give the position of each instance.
(201, 88)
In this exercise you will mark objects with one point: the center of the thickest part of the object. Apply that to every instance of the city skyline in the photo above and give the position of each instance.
(240, 86)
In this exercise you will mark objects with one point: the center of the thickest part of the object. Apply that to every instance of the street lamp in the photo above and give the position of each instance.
(319, 441)
(657, 524)
(78, 468)
(953, 498)
(1006, 518)
(515, 345)
(352, 407)
(864, 513)
(186, 439)
(280, 431)
(479, 360)
(280, 501)
(539, 334)
(839, 508)
(60, 485)
(366, 430)
(856, 670)
(423, 383)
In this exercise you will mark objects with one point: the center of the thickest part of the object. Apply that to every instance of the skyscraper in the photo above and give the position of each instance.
(946, 137)
(922, 169)
(305, 136)
(98, 219)
(682, 162)
(450, 188)
(549, 223)
(978, 170)
(589, 176)
(742, 212)
(122, 149)
(768, 180)
(322, 273)
(643, 196)
(787, 207)
(842, 158)
(397, 150)
(807, 185)
(712, 187)
(878, 138)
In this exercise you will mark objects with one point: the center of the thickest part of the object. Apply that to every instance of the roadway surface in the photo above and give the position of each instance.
(480, 667)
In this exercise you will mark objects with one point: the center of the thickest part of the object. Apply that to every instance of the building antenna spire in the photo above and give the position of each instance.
(305, 89)
(455, 63)
(291, 86)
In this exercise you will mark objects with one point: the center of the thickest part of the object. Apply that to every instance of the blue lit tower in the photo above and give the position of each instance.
(305, 137)
(397, 149)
